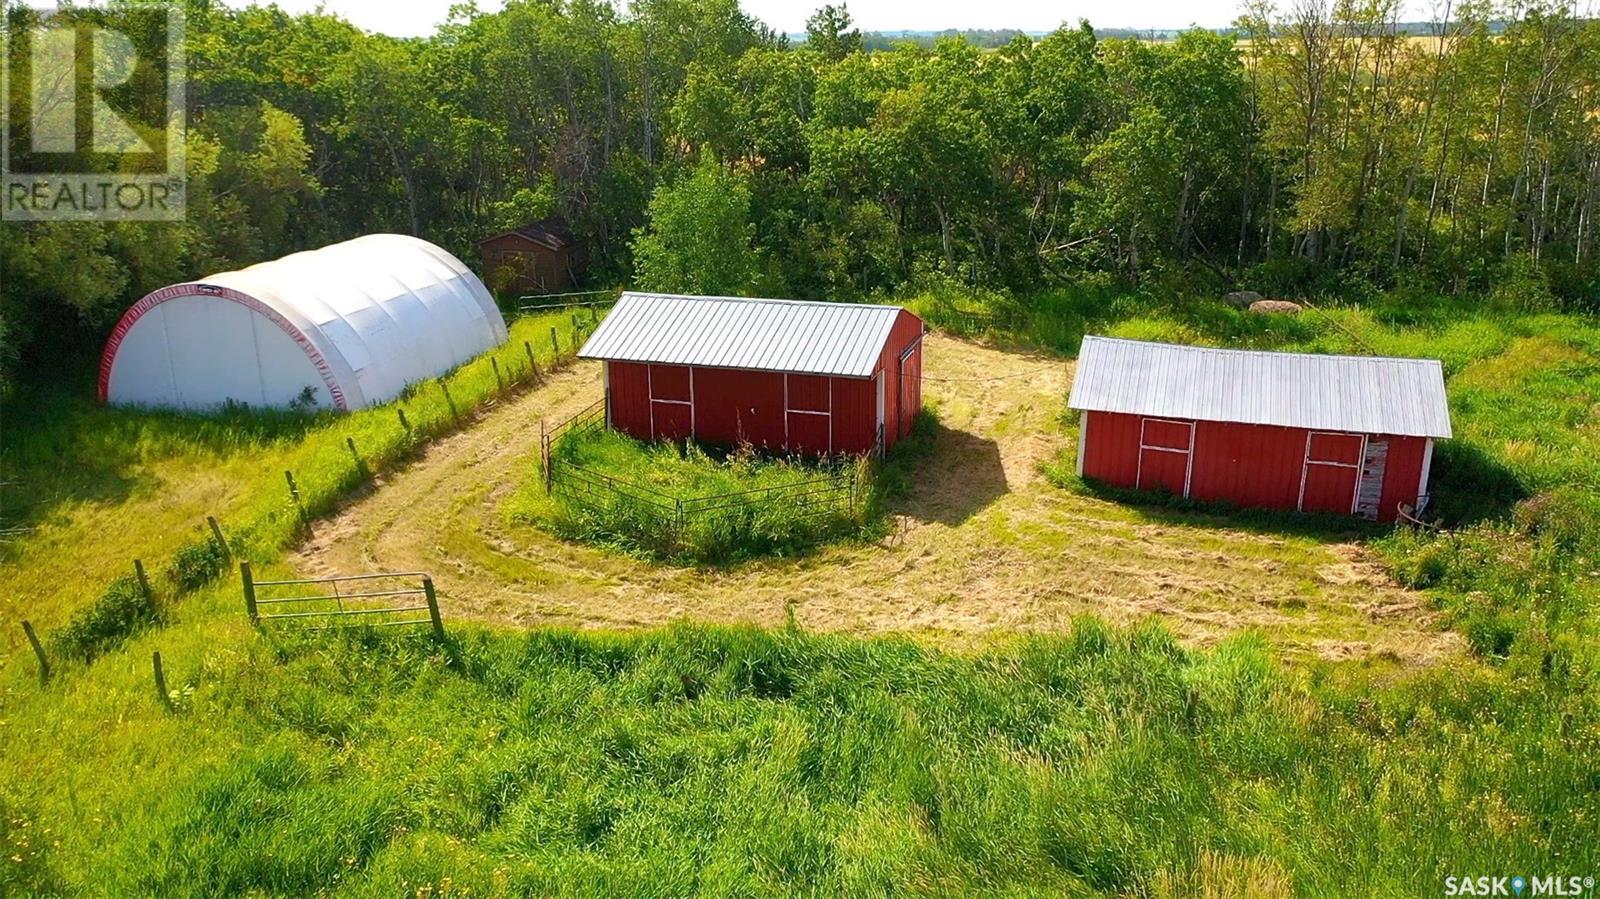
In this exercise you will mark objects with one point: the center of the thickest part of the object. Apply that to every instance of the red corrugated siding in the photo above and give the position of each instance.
(1402, 474)
(734, 405)
(628, 392)
(855, 414)
(1111, 447)
(898, 416)
(1248, 465)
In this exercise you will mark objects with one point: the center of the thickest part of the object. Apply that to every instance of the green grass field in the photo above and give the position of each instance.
(710, 760)
(95, 488)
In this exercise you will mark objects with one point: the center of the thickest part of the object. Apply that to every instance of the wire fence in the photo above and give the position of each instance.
(838, 496)
(967, 323)
(539, 304)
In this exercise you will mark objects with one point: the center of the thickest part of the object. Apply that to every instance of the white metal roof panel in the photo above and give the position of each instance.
(1365, 394)
(843, 339)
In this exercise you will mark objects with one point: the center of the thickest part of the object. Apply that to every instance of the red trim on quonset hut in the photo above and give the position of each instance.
(109, 356)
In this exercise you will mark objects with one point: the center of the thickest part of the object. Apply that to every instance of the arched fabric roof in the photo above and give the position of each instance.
(355, 322)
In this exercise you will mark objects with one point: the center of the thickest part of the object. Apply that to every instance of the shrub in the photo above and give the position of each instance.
(1567, 516)
(1522, 287)
(195, 564)
(123, 609)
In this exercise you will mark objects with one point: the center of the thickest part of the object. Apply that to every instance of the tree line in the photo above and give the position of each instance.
(1318, 147)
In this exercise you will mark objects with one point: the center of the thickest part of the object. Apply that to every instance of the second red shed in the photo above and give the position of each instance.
(1351, 435)
(806, 377)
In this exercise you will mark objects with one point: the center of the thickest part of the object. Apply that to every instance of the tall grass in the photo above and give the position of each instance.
(698, 760)
(676, 501)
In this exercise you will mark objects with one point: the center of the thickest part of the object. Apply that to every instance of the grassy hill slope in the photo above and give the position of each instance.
(737, 761)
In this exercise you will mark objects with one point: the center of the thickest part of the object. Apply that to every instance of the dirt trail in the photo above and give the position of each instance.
(983, 542)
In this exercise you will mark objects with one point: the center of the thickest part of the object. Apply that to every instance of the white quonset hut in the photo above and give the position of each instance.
(345, 326)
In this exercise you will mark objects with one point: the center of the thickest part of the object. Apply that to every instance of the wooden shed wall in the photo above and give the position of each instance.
(1248, 465)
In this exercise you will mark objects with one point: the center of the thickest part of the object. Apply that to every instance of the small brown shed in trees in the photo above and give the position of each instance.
(539, 257)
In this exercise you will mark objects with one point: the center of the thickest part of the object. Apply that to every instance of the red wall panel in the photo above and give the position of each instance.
(855, 414)
(628, 393)
(809, 392)
(669, 382)
(1400, 477)
(1111, 447)
(1329, 488)
(735, 405)
(898, 413)
(808, 433)
(671, 420)
(1248, 465)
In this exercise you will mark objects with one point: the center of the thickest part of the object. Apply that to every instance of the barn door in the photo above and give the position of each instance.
(671, 402)
(1332, 471)
(1374, 462)
(1166, 455)
(910, 387)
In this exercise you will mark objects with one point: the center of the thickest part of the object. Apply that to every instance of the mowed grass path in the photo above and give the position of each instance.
(982, 543)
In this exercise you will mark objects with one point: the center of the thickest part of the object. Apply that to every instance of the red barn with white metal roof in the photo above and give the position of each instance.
(1351, 435)
(804, 377)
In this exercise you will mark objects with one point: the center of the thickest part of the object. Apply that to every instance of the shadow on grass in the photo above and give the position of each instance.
(59, 445)
(1470, 486)
(943, 474)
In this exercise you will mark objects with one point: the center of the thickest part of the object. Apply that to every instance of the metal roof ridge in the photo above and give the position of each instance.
(1241, 351)
(775, 300)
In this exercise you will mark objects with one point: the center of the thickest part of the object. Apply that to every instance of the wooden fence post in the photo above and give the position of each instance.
(593, 315)
(361, 466)
(38, 650)
(249, 593)
(144, 582)
(222, 542)
(433, 607)
(544, 455)
(294, 496)
(555, 345)
(449, 401)
(404, 422)
(531, 360)
(161, 680)
(495, 364)
(677, 526)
